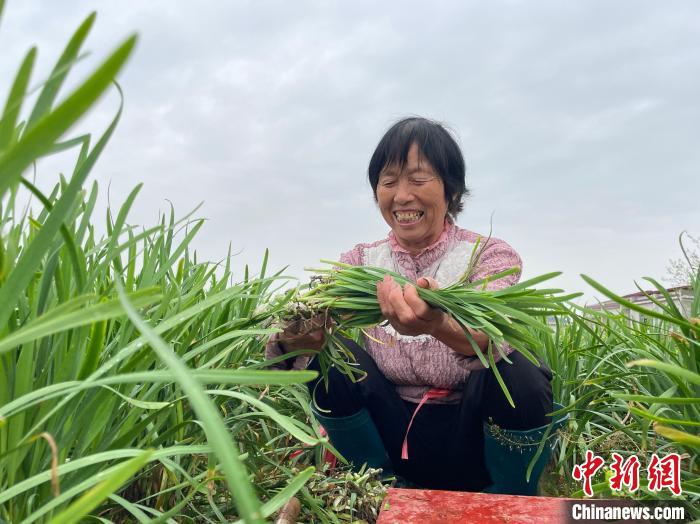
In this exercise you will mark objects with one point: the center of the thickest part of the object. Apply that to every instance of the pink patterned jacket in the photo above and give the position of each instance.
(417, 364)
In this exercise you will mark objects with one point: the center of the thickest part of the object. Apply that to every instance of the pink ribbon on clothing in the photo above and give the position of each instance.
(430, 394)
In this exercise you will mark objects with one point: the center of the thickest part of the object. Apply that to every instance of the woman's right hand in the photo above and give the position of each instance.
(305, 334)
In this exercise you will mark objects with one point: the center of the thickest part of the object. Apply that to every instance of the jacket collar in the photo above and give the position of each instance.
(433, 251)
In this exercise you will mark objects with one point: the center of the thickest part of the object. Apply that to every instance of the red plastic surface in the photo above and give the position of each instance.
(404, 506)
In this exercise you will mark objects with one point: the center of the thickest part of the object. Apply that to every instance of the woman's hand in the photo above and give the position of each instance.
(411, 315)
(405, 310)
(305, 334)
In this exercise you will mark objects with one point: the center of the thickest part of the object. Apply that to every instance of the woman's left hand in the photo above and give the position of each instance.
(405, 310)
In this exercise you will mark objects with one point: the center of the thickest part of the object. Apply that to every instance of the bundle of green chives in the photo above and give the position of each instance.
(347, 295)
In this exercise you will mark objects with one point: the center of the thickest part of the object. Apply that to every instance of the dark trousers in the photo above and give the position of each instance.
(446, 442)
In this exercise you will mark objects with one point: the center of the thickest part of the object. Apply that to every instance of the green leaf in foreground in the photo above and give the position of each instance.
(48, 129)
(8, 119)
(671, 369)
(39, 246)
(50, 89)
(52, 323)
(218, 435)
(91, 499)
(678, 436)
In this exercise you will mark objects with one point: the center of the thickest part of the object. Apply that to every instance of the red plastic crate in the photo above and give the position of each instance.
(424, 506)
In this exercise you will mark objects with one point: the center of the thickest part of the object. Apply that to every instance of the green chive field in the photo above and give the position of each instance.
(133, 384)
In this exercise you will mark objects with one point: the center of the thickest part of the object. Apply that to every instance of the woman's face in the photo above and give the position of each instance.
(412, 201)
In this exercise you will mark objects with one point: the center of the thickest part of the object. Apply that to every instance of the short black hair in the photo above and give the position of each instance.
(435, 143)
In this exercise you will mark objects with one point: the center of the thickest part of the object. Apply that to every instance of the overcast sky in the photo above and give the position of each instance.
(579, 120)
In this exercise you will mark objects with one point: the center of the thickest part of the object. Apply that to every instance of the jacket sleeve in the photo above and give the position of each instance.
(353, 257)
(497, 256)
(273, 349)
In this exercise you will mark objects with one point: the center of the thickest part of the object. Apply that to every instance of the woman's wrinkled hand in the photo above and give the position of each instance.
(305, 334)
(405, 310)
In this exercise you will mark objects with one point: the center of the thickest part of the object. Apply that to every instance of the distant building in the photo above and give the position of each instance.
(682, 297)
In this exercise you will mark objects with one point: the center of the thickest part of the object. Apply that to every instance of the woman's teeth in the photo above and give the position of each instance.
(406, 217)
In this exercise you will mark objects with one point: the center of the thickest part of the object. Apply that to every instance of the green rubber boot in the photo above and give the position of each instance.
(508, 454)
(357, 439)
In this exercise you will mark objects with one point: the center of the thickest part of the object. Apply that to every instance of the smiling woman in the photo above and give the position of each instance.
(417, 175)
(411, 201)
(423, 388)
